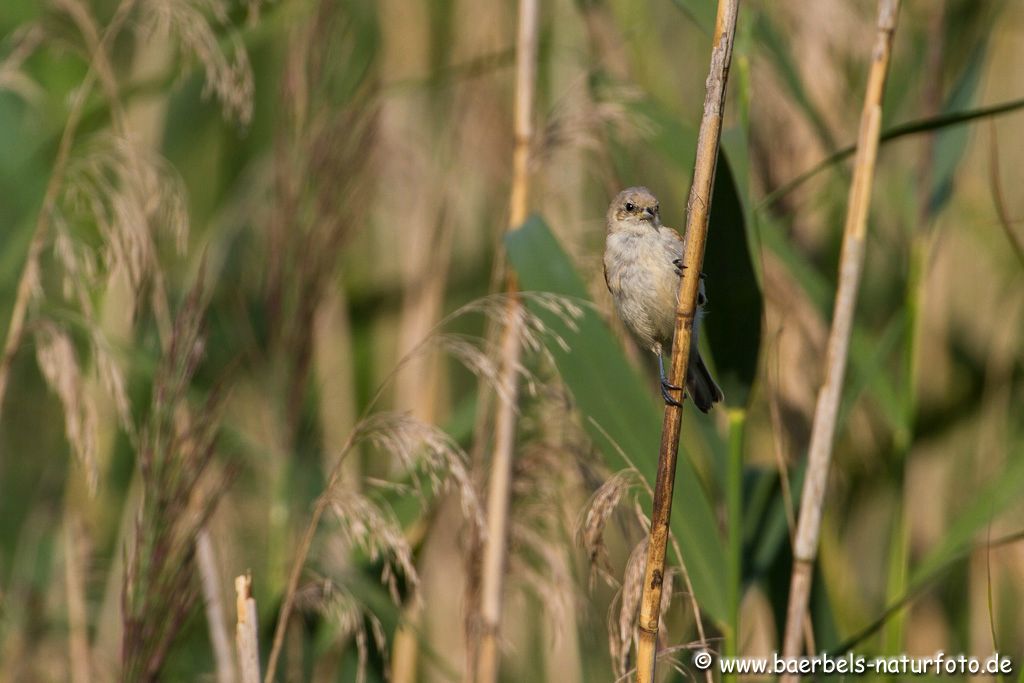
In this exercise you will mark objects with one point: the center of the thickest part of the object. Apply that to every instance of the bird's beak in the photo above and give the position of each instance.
(650, 212)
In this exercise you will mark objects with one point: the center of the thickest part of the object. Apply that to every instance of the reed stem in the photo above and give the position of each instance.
(246, 631)
(850, 267)
(500, 484)
(698, 210)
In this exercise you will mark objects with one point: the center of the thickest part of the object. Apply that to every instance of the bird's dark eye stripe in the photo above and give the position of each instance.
(630, 206)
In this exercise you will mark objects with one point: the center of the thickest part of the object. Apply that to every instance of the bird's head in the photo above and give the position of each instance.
(635, 208)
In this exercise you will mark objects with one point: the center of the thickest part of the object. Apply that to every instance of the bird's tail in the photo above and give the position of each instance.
(700, 386)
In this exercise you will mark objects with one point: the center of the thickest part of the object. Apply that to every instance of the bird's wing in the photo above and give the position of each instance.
(672, 240)
(606, 282)
(676, 245)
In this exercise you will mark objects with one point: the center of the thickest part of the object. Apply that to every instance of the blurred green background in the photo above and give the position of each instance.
(258, 225)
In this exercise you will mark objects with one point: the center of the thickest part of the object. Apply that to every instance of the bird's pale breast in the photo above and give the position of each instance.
(644, 284)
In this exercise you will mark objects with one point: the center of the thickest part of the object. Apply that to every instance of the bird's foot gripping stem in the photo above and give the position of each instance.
(666, 385)
(669, 401)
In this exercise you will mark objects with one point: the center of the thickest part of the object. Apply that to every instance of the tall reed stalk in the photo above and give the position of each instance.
(850, 268)
(500, 483)
(698, 209)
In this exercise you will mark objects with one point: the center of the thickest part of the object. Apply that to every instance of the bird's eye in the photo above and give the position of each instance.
(630, 206)
(657, 208)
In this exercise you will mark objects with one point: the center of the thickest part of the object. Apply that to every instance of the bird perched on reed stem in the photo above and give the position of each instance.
(642, 267)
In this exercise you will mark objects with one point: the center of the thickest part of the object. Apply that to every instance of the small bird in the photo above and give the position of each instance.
(642, 267)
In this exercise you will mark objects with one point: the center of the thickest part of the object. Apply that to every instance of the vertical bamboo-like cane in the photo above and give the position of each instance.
(698, 208)
(850, 265)
(500, 483)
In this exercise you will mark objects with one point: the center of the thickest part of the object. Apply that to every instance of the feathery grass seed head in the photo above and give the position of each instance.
(58, 361)
(594, 518)
(228, 76)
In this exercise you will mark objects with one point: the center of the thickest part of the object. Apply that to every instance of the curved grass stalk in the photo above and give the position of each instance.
(917, 127)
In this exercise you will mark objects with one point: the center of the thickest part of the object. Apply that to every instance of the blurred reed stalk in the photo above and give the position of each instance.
(246, 630)
(850, 267)
(206, 567)
(697, 209)
(500, 483)
(79, 656)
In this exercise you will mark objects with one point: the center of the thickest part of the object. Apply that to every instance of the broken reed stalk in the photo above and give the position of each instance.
(698, 209)
(850, 267)
(500, 482)
(246, 630)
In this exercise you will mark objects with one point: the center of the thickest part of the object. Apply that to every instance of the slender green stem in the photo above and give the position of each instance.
(897, 580)
(734, 504)
(899, 546)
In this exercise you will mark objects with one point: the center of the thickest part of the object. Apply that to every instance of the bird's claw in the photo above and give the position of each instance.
(669, 401)
(678, 263)
(666, 385)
